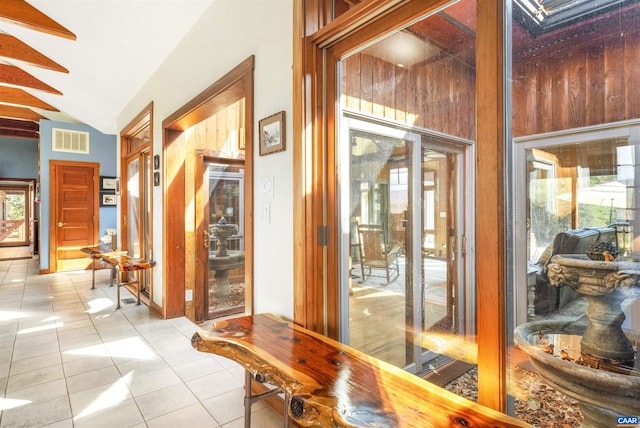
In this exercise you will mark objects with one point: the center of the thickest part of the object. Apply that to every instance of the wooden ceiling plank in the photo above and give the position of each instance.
(15, 133)
(19, 112)
(20, 97)
(14, 48)
(19, 125)
(16, 76)
(21, 13)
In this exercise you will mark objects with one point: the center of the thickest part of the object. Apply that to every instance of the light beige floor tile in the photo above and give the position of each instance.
(37, 414)
(144, 383)
(197, 368)
(126, 414)
(192, 416)
(35, 351)
(214, 384)
(66, 423)
(165, 401)
(86, 364)
(102, 397)
(41, 392)
(91, 379)
(227, 406)
(35, 377)
(41, 361)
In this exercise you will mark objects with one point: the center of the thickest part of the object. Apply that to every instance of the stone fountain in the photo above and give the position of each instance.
(603, 375)
(223, 260)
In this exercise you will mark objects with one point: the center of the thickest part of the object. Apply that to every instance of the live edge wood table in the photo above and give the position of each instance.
(119, 262)
(328, 384)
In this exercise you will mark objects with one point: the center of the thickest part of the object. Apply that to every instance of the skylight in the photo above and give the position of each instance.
(541, 16)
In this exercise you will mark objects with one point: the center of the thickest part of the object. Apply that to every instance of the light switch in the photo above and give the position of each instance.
(264, 214)
(266, 188)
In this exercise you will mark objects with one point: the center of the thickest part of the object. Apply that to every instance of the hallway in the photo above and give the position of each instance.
(69, 359)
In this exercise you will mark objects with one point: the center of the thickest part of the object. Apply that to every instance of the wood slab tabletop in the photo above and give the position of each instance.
(331, 384)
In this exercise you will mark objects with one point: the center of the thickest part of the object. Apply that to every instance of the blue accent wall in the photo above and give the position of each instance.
(102, 149)
(18, 158)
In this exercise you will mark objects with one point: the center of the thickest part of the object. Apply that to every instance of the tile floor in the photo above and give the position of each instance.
(69, 359)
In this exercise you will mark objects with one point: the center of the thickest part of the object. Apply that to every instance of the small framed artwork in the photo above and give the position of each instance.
(108, 200)
(156, 162)
(272, 134)
(108, 184)
(156, 178)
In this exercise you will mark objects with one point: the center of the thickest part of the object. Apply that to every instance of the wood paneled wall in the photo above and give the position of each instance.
(437, 95)
(575, 85)
(578, 84)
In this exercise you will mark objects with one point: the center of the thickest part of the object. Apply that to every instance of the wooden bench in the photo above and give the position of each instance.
(119, 262)
(326, 383)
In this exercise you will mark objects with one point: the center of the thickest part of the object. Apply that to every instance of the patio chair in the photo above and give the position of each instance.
(376, 254)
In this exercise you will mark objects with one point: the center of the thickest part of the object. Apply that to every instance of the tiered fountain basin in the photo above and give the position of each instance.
(223, 260)
(592, 360)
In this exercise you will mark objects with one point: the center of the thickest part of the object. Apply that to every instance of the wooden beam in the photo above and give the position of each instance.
(20, 97)
(490, 215)
(19, 112)
(20, 125)
(14, 48)
(16, 76)
(21, 13)
(14, 133)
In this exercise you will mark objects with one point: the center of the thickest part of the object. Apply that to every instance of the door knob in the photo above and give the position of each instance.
(60, 224)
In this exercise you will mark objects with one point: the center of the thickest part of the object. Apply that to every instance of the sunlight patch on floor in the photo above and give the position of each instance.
(116, 394)
(133, 348)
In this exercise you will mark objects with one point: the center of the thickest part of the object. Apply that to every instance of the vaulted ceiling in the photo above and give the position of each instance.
(82, 61)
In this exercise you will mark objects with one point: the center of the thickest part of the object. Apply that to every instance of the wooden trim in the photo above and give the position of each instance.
(12, 47)
(18, 77)
(17, 96)
(200, 108)
(490, 218)
(22, 13)
(141, 121)
(178, 246)
(16, 133)
(19, 113)
(53, 206)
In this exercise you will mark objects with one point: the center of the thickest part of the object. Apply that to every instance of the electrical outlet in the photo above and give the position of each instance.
(188, 295)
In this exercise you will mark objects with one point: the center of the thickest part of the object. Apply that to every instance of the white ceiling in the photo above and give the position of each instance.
(120, 43)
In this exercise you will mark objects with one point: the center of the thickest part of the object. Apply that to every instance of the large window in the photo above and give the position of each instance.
(576, 132)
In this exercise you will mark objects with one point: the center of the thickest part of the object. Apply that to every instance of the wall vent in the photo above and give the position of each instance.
(65, 140)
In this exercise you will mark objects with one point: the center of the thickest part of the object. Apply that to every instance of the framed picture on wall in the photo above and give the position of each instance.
(272, 134)
(108, 200)
(108, 183)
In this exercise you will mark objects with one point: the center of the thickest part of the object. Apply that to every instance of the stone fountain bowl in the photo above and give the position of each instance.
(611, 394)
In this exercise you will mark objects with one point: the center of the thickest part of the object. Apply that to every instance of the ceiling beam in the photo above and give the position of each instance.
(16, 76)
(19, 125)
(19, 113)
(22, 13)
(14, 48)
(20, 97)
(15, 133)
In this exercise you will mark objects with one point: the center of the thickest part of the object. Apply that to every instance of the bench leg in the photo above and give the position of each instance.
(117, 268)
(247, 398)
(93, 274)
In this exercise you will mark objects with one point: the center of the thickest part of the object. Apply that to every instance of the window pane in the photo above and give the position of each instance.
(576, 124)
(406, 126)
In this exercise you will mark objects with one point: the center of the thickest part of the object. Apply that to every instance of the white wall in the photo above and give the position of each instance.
(227, 33)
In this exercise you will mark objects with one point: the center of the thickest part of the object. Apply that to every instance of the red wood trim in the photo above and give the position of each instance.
(12, 47)
(22, 13)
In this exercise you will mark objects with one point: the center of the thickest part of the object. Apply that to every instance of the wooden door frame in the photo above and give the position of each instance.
(318, 43)
(29, 184)
(142, 120)
(178, 245)
(53, 206)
